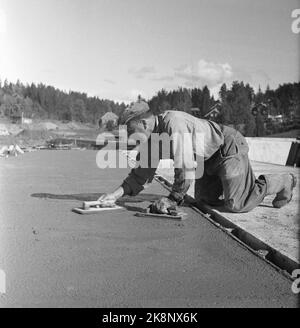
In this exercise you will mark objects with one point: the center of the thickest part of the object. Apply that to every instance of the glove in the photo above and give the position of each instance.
(163, 206)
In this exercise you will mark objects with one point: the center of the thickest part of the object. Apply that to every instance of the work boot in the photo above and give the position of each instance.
(282, 185)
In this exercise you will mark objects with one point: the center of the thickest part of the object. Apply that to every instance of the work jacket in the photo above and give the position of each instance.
(192, 141)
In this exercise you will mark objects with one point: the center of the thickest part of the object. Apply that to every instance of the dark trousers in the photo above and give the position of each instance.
(228, 175)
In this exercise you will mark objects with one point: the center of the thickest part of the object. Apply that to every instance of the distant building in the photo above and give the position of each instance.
(15, 115)
(109, 116)
(214, 113)
(26, 120)
(276, 118)
(195, 111)
(260, 108)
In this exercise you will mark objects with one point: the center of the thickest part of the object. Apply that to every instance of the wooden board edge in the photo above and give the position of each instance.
(95, 210)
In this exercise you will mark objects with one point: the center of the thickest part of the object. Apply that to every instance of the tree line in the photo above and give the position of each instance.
(46, 102)
(235, 103)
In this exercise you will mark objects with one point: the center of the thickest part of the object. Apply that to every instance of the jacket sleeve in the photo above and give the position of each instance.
(137, 179)
(141, 175)
(184, 162)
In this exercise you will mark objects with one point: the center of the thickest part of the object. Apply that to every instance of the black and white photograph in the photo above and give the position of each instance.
(149, 157)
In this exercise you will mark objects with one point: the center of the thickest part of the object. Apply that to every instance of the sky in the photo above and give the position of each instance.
(117, 49)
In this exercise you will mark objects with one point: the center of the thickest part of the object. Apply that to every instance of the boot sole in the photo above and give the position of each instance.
(294, 183)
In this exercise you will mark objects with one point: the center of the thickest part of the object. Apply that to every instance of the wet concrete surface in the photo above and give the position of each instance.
(278, 228)
(53, 257)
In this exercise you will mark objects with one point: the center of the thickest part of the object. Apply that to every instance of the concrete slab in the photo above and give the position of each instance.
(278, 228)
(53, 257)
(270, 150)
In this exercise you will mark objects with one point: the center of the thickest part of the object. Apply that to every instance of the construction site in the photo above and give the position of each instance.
(149, 158)
(54, 257)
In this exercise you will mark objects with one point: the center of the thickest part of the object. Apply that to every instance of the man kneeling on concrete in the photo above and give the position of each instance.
(227, 178)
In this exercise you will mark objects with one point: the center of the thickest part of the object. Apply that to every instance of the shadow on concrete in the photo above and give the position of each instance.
(93, 196)
(131, 208)
(80, 197)
(123, 201)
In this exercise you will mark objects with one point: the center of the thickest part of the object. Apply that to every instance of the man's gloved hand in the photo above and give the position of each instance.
(163, 206)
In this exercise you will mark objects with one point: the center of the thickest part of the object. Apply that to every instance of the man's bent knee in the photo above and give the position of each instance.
(234, 207)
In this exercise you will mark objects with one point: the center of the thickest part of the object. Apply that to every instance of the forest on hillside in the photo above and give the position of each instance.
(46, 102)
(235, 104)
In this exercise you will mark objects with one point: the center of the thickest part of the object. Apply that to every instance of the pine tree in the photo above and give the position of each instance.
(196, 98)
(206, 101)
